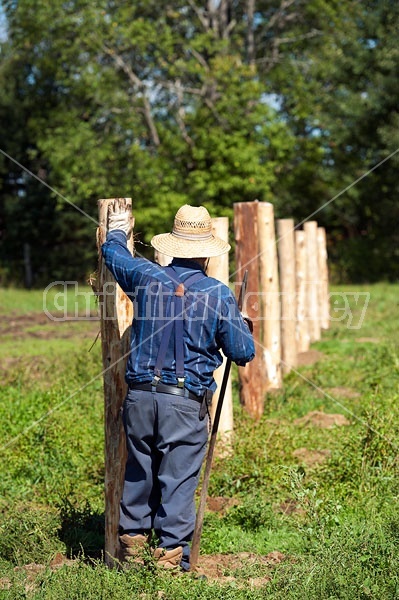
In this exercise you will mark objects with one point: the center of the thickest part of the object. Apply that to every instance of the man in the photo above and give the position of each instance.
(182, 319)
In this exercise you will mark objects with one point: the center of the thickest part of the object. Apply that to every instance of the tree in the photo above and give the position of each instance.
(192, 102)
(27, 209)
(360, 116)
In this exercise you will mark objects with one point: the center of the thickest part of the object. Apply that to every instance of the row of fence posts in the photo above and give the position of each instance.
(287, 296)
(287, 299)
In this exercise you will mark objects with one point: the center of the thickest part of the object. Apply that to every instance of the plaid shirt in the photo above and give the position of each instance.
(212, 320)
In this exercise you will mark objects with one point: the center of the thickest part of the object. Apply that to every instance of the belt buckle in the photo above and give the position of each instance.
(156, 379)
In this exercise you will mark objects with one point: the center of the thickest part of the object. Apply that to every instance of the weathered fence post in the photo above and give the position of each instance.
(324, 304)
(116, 318)
(252, 377)
(218, 268)
(270, 295)
(302, 325)
(286, 254)
(312, 315)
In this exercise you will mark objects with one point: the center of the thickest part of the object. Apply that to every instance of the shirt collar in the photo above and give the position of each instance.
(187, 263)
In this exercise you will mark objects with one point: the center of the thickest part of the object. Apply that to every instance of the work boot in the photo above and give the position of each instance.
(168, 559)
(132, 548)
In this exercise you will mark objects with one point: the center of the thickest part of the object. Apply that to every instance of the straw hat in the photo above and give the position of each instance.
(191, 236)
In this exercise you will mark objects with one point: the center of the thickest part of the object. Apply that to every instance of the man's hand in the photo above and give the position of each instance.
(119, 217)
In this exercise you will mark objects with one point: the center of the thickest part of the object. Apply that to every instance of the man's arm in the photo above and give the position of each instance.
(120, 262)
(234, 335)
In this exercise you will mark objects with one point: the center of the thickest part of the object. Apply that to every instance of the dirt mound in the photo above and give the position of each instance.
(309, 357)
(17, 325)
(220, 568)
(311, 458)
(289, 507)
(216, 566)
(32, 570)
(343, 392)
(39, 325)
(220, 504)
(323, 420)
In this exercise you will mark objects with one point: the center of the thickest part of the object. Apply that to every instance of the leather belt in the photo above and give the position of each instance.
(163, 388)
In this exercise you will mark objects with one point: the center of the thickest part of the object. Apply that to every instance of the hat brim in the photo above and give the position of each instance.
(178, 247)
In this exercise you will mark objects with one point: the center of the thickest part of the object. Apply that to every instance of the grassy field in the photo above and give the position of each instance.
(307, 510)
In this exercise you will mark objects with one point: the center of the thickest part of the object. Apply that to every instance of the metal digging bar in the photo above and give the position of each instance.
(195, 545)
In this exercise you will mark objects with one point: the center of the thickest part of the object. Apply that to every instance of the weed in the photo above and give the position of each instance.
(29, 535)
(82, 529)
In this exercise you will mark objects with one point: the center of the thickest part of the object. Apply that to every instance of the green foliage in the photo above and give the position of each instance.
(359, 116)
(253, 514)
(29, 536)
(179, 104)
(360, 561)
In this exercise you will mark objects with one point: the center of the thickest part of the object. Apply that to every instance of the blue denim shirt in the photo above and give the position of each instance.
(212, 320)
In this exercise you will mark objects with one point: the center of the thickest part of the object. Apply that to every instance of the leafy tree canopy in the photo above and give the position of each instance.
(205, 103)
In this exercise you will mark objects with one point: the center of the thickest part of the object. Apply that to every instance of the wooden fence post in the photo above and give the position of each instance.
(116, 319)
(218, 268)
(270, 295)
(312, 315)
(302, 326)
(252, 377)
(286, 254)
(324, 303)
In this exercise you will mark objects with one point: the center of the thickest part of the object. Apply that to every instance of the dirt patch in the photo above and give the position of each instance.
(323, 420)
(289, 507)
(309, 357)
(39, 325)
(10, 368)
(5, 583)
(32, 570)
(311, 458)
(17, 325)
(343, 392)
(221, 567)
(277, 422)
(371, 340)
(9, 363)
(219, 504)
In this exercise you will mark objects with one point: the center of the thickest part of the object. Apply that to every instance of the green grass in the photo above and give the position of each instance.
(58, 297)
(341, 538)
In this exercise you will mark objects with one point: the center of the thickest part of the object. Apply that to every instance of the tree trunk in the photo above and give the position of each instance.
(28, 279)
(116, 318)
(250, 32)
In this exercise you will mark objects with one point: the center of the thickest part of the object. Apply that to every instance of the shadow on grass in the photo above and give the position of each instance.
(82, 530)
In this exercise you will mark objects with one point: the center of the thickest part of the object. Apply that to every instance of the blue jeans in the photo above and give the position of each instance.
(166, 445)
